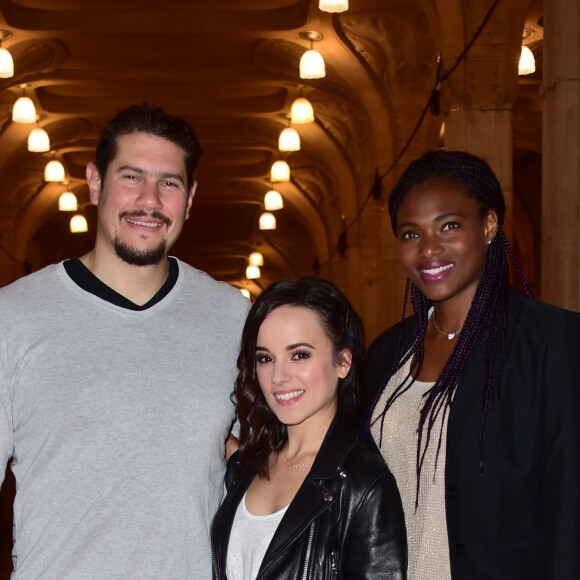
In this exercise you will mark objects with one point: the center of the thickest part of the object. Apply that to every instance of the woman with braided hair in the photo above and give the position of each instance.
(474, 400)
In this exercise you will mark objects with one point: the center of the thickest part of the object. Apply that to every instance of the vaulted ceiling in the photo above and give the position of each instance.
(231, 68)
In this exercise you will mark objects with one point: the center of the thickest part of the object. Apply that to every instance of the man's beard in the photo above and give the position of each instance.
(139, 257)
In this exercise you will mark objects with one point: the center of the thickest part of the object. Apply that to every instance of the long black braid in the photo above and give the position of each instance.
(487, 314)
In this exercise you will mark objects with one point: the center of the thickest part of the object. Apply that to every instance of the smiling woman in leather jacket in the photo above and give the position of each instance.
(305, 498)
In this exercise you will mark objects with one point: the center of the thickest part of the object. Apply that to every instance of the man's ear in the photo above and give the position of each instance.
(94, 182)
(190, 196)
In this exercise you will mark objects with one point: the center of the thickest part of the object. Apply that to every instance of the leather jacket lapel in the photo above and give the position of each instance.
(317, 493)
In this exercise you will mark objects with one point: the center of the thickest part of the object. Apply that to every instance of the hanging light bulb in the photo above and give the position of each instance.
(333, 5)
(256, 259)
(301, 111)
(280, 171)
(289, 140)
(38, 141)
(245, 292)
(267, 221)
(54, 171)
(6, 64)
(23, 110)
(527, 63)
(312, 65)
(253, 272)
(6, 60)
(78, 224)
(273, 201)
(68, 201)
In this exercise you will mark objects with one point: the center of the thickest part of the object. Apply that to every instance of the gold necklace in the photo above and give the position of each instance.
(301, 462)
(449, 335)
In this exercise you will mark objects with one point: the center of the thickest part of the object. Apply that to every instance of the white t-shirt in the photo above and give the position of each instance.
(250, 537)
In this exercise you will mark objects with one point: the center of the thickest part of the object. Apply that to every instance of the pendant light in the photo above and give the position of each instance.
(256, 259)
(245, 292)
(333, 5)
(273, 200)
(38, 140)
(6, 60)
(280, 171)
(253, 272)
(23, 110)
(312, 64)
(78, 224)
(527, 62)
(68, 202)
(267, 221)
(289, 140)
(54, 171)
(301, 111)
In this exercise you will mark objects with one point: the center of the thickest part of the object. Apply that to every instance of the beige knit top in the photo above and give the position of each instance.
(426, 527)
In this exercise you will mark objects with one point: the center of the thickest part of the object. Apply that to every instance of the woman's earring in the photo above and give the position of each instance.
(488, 242)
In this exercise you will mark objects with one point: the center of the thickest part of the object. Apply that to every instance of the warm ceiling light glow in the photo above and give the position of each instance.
(68, 202)
(289, 140)
(24, 111)
(78, 224)
(6, 60)
(301, 111)
(527, 64)
(245, 292)
(253, 272)
(273, 201)
(333, 5)
(267, 221)
(38, 141)
(256, 259)
(280, 171)
(54, 171)
(6, 64)
(312, 65)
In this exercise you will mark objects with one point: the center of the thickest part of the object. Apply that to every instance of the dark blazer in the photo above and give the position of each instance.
(346, 520)
(521, 518)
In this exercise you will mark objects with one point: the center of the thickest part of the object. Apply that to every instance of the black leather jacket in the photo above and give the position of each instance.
(346, 520)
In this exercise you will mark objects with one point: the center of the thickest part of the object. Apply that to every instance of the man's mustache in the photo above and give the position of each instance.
(141, 213)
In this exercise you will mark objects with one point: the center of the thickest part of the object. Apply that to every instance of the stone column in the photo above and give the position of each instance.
(560, 278)
(487, 134)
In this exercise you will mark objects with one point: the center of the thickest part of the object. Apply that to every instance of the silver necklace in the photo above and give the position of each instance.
(449, 335)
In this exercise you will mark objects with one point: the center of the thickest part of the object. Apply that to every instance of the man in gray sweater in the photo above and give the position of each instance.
(115, 375)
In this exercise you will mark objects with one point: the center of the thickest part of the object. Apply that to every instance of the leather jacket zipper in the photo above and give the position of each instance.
(333, 568)
(308, 551)
(214, 562)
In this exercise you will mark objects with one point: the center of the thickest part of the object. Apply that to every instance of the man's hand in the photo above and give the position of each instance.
(232, 445)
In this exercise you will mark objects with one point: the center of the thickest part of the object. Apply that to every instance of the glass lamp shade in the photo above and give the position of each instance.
(38, 141)
(280, 171)
(78, 224)
(253, 272)
(333, 5)
(527, 64)
(54, 171)
(301, 111)
(256, 259)
(67, 202)
(267, 221)
(6, 64)
(245, 292)
(289, 140)
(24, 111)
(273, 201)
(312, 65)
